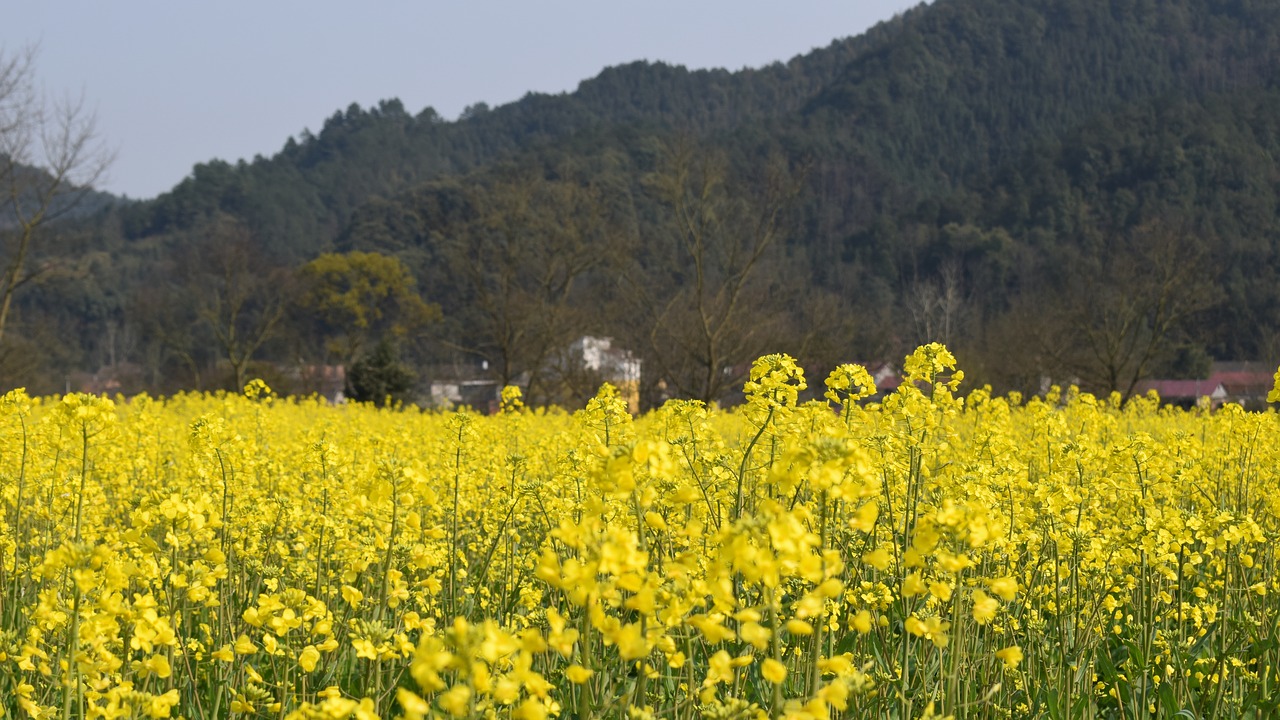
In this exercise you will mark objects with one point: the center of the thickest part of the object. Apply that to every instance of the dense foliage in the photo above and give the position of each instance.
(966, 172)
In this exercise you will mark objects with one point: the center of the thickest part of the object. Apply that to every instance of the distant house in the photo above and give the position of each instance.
(886, 376)
(463, 384)
(1245, 383)
(480, 394)
(327, 381)
(884, 373)
(1184, 393)
(576, 371)
(616, 366)
(121, 378)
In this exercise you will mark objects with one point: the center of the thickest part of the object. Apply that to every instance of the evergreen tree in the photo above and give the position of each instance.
(380, 377)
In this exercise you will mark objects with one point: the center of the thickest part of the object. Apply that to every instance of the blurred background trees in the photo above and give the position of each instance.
(1062, 191)
(50, 158)
(350, 302)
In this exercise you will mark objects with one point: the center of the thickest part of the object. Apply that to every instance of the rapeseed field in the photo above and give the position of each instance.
(926, 555)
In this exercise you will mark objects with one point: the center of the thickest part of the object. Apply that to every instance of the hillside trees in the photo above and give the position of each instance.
(1119, 306)
(708, 298)
(223, 299)
(380, 377)
(242, 295)
(1129, 302)
(960, 153)
(355, 300)
(176, 351)
(50, 156)
(532, 255)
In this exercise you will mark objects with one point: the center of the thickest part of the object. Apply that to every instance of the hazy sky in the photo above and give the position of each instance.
(176, 82)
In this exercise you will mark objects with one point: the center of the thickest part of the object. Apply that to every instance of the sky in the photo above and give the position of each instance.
(177, 82)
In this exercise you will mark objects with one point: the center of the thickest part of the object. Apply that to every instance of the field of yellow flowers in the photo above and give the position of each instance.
(245, 556)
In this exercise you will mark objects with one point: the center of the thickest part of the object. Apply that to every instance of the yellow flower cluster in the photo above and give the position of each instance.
(928, 555)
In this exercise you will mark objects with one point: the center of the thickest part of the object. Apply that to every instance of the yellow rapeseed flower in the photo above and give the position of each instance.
(352, 596)
(245, 646)
(455, 701)
(1005, 587)
(773, 671)
(308, 658)
(984, 607)
(1011, 655)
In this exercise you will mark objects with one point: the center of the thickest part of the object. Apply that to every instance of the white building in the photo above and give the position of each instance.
(617, 366)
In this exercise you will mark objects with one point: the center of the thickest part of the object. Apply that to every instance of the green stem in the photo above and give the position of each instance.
(746, 457)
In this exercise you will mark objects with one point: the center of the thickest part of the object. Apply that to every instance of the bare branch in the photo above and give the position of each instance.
(50, 158)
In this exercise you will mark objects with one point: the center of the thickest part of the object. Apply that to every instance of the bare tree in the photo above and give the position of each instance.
(525, 259)
(712, 313)
(1127, 304)
(169, 327)
(50, 158)
(937, 304)
(242, 299)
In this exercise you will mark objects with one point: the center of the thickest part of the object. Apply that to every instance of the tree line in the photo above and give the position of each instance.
(1061, 189)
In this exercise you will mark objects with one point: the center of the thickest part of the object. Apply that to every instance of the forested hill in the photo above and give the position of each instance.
(309, 189)
(962, 87)
(1078, 189)
(944, 92)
